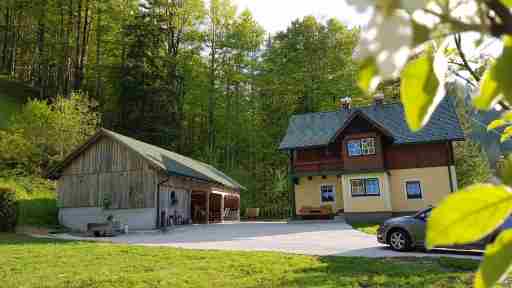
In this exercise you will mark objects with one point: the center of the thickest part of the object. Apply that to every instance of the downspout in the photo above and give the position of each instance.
(450, 176)
(450, 163)
(158, 200)
(292, 186)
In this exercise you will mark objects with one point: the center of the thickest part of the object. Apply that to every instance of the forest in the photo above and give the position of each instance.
(200, 78)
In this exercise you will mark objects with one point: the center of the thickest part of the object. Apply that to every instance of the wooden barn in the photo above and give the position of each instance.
(141, 185)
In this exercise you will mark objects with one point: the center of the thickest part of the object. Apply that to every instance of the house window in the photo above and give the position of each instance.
(368, 146)
(354, 147)
(413, 189)
(365, 187)
(361, 147)
(327, 193)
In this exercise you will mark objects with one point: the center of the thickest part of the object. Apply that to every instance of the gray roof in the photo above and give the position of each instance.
(320, 129)
(170, 162)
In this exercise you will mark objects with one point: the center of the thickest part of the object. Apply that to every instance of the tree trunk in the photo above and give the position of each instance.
(212, 96)
(13, 49)
(98, 52)
(42, 63)
(76, 61)
(5, 42)
(83, 50)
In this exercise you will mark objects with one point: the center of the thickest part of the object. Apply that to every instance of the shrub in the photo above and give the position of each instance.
(7, 209)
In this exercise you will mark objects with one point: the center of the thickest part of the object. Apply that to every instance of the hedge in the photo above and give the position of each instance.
(7, 209)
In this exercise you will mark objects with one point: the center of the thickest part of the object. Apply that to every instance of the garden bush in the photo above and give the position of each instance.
(7, 209)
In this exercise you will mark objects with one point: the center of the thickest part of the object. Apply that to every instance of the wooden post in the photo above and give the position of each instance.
(208, 207)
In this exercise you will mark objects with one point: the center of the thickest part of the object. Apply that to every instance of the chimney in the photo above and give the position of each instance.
(346, 103)
(378, 99)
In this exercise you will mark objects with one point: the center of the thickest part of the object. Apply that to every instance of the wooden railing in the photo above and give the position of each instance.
(319, 166)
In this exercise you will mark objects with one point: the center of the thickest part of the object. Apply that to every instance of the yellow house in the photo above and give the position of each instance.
(365, 163)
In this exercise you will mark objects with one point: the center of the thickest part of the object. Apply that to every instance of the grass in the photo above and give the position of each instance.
(366, 227)
(37, 204)
(13, 95)
(30, 263)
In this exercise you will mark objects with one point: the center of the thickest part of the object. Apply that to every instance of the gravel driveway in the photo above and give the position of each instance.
(323, 239)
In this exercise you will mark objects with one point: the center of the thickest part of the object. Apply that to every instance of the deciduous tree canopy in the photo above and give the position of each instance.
(200, 78)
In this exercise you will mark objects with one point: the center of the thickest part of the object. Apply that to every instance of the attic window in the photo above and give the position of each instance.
(360, 147)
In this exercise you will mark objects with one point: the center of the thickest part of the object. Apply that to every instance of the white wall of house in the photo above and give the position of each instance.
(381, 203)
(136, 219)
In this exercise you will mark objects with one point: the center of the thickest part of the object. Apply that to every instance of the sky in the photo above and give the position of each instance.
(276, 15)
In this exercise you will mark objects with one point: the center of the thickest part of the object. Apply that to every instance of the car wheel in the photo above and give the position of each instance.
(399, 240)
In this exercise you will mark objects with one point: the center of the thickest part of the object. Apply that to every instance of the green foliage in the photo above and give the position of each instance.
(418, 90)
(421, 33)
(471, 163)
(497, 81)
(504, 122)
(13, 95)
(36, 200)
(469, 215)
(7, 209)
(29, 262)
(496, 263)
(193, 76)
(496, 124)
(367, 74)
(44, 133)
(505, 170)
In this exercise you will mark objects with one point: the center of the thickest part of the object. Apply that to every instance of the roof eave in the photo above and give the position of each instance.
(56, 172)
(356, 113)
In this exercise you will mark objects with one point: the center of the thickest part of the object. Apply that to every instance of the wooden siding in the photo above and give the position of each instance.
(108, 170)
(363, 162)
(387, 156)
(180, 209)
(418, 155)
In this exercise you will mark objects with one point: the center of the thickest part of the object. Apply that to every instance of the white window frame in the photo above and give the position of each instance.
(333, 191)
(422, 191)
(352, 141)
(368, 146)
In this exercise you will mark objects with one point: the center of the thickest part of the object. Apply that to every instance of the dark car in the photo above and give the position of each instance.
(408, 232)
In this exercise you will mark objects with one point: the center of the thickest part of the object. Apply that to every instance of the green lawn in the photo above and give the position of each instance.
(29, 263)
(37, 204)
(369, 228)
(13, 95)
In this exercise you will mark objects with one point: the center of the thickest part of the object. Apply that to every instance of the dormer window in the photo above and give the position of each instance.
(361, 147)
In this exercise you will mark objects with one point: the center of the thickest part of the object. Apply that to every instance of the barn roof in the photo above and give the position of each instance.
(169, 162)
(320, 129)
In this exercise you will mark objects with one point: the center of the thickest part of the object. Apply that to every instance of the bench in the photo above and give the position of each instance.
(322, 212)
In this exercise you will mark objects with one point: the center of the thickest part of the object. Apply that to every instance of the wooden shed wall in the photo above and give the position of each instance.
(108, 169)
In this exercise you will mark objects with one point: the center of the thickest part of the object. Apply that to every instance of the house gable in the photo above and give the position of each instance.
(106, 169)
(319, 129)
(359, 122)
(167, 162)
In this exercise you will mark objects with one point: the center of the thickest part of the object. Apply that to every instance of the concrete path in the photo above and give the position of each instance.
(322, 239)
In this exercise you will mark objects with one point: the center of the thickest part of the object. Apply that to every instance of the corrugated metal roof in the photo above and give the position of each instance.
(175, 163)
(319, 129)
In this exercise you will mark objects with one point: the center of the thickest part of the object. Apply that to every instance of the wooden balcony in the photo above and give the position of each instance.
(319, 166)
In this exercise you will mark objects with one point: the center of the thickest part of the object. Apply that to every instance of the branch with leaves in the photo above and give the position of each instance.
(411, 39)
